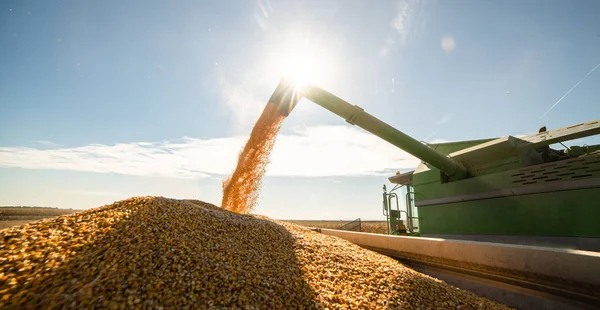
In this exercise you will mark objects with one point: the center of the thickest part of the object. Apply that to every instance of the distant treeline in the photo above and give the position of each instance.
(31, 213)
(32, 207)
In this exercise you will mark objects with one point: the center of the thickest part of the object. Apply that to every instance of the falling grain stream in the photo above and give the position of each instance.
(241, 189)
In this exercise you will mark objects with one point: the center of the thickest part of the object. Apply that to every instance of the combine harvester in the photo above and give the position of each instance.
(508, 218)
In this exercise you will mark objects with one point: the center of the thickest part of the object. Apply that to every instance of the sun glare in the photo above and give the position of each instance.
(302, 66)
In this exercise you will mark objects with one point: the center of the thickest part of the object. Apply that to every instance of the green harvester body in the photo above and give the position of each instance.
(507, 190)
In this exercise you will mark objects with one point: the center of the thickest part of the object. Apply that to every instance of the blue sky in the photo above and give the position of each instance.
(103, 100)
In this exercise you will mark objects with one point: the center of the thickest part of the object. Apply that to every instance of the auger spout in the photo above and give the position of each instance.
(287, 95)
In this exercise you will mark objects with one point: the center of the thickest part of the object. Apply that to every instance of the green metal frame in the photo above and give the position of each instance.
(501, 186)
(564, 213)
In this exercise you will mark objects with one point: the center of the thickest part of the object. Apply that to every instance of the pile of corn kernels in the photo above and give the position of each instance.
(159, 253)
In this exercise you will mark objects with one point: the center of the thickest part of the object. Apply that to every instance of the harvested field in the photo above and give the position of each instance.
(16, 216)
(31, 213)
(153, 252)
(374, 227)
(13, 223)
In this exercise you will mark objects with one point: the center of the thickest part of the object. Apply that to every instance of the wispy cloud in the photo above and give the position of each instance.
(399, 25)
(310, 152)
(48, 143)
(570, 90)
(403, 25)
(336, 151)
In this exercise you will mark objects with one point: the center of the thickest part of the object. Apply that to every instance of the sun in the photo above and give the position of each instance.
(302, 65)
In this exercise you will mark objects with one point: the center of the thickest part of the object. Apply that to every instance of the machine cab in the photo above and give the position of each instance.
(398, 206)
